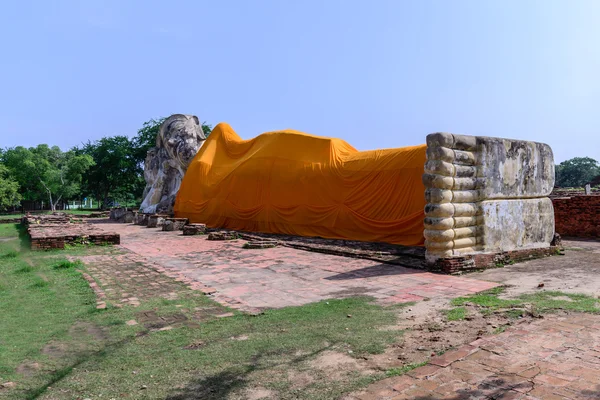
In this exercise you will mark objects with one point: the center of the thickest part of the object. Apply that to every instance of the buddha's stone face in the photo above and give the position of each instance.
(182, 136)
(179, 139)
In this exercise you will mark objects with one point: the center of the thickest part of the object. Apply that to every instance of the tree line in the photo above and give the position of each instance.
(108, 170)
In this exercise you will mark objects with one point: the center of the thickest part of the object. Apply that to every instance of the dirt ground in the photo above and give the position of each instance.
(578, 271)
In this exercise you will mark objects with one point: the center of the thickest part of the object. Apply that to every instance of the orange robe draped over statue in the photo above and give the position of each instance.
(293, 183)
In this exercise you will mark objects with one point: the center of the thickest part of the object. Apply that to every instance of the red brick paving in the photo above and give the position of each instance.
(553, 358)
(252, 279)
(125, 278)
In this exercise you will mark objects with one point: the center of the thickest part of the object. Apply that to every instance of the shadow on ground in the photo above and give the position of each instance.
(220, 385)
(375, 271)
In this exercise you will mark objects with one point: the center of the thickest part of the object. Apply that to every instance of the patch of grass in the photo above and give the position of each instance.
(403, 369)
(541, 302)
(276, 343)
(456, 314)
(398, 306)
(66, 264)
(488, 298)
(9, 230)
(549, 301)
(39, 284)
(514, 313)
(500, 329)
(11, 216)
(25, 269)
(10, 254)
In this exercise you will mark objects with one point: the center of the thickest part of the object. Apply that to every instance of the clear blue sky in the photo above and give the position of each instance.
(375, 73)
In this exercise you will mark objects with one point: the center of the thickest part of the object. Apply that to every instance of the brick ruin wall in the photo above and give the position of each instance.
(577, 216)
(55, 230)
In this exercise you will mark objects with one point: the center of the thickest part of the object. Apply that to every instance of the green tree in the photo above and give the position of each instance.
(47, 173)
(9, 190)
(576, 172)
(116, 174)
(146, 138)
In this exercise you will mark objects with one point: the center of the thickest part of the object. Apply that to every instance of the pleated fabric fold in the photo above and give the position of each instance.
(293, 183)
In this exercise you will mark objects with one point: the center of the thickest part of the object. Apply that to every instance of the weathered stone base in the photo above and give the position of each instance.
(194, 229)
(156, 220)
(473, 262)
(141, 219)
(97, 214)
(261, 244)
(122, 215)
(174, 224)
(222, 236)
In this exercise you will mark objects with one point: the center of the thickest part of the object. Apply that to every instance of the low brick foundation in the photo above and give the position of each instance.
(577, 216)
(58, 242)
(473, 262)
(47, 243)
(55, 231)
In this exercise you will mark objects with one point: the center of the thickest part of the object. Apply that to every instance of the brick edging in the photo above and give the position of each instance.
(100, 295)
(474, 262)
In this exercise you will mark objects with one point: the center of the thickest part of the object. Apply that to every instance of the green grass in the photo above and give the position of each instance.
(66, 264)
(37, 305)
(45, 303)
(74, 212)
(500, 329)
(8, 231)
(456, 314)
(548, 301)
(403, 370)
(10, 254)
(544, 301)
(488, 299)
(10, 216)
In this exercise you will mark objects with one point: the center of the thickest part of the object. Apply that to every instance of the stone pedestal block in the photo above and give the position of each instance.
(177, 223)
(156, 220)
(222, 236)
(128, 217)
(194, 229)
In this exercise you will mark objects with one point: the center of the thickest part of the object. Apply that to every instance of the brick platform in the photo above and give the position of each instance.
(54, 231)
(282, 276)
(577, 216)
